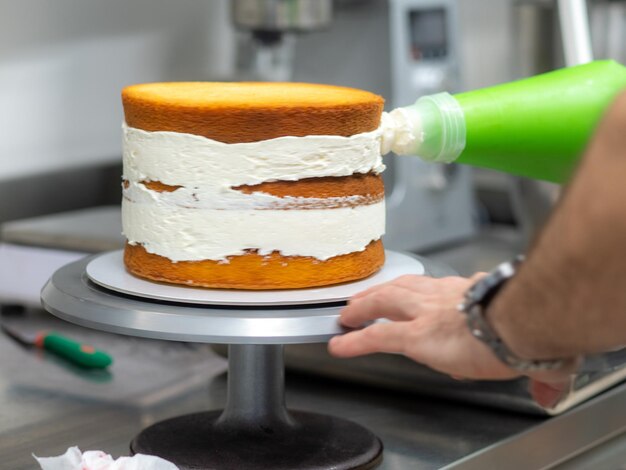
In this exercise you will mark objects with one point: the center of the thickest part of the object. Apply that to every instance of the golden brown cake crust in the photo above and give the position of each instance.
(248, 111)
(255, 272)
(369, 184)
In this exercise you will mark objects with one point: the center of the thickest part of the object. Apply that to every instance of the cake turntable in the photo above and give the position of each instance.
(255, 429)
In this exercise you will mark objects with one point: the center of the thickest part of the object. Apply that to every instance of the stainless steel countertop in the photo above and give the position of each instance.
(46, 406)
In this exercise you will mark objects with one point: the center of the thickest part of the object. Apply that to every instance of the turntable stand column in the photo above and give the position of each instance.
(256, 389)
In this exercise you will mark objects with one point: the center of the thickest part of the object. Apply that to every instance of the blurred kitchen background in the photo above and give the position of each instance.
(64, 62)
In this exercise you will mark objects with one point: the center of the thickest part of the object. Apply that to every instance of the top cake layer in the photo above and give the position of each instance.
(249, 112)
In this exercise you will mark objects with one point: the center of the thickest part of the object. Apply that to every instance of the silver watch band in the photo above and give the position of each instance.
(477, 299)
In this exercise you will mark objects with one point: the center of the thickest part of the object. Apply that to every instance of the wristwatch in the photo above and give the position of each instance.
(475, 304)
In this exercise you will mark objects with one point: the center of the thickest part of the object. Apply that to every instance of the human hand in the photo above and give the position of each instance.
(424, 325)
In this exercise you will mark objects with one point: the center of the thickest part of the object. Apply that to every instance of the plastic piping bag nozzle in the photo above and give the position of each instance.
(433, 129)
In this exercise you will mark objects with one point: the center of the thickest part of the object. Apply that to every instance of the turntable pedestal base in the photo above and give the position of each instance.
(256, 431)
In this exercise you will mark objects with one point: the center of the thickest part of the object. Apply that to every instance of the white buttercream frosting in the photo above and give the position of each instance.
(205, 198)
(189, 160)
(184, 234)
(205, 218)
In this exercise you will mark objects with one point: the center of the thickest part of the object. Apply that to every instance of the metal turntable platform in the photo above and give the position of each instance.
(255, 430)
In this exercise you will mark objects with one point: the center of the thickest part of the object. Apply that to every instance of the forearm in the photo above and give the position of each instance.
(569, 297)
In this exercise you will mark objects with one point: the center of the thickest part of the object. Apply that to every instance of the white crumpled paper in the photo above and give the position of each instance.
(74, 459)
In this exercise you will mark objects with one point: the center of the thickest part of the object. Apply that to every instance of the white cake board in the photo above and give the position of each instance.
(107, 270)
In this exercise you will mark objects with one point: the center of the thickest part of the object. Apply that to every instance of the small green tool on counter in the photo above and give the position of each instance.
(81, 354)
(536, 127)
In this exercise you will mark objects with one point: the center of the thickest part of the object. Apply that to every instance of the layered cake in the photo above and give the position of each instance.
(252, 185)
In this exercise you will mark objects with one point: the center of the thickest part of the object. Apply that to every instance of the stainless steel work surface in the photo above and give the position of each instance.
(47, 406)
(89, 230)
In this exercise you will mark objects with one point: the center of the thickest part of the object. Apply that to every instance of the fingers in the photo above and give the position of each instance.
(403, 299)
(422, 284)
(385, 337)
(408, 281)
(391, 302)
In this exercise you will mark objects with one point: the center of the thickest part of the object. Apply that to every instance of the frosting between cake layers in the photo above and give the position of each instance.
(205, 218)
(189, 160)
(207, 198)
(184, 234)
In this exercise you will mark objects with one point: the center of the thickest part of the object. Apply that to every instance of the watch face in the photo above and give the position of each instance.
(486, 288)
(507, 270)
(483, 291)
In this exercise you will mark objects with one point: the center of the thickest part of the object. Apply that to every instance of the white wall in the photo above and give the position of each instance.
(64, 62)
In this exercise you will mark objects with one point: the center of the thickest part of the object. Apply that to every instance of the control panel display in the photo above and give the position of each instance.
(428, 34)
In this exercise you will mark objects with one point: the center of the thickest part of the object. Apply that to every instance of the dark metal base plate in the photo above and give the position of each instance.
(315, 442)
